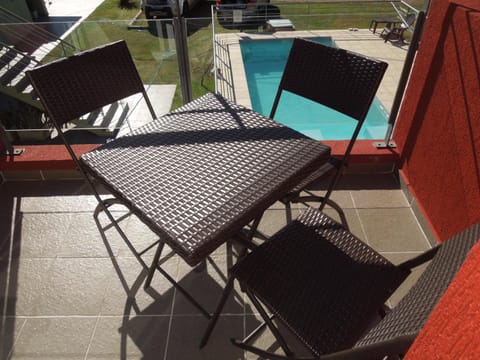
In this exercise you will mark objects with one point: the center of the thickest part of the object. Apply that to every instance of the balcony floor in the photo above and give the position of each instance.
(66, 295)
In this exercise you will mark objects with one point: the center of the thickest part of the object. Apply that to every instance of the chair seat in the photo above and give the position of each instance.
(314, 263)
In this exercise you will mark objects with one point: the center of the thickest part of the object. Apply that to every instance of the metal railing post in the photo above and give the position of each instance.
(180, 30)
(214, 43)
(412, 50)
(8, 148)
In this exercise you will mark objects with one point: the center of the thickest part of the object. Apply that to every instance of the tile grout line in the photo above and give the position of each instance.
(92, 335)
(359, 218)
(425, 237)
(170, 321)
(11, 351)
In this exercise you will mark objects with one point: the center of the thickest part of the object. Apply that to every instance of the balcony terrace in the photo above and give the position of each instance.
(72, 290)
(66, 295)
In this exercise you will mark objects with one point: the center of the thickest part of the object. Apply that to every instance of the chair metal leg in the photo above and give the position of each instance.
(180, 288)
(325, 201)
(288, 211)
(256, 331)
(213, 320)
(264, 354)
(153, 266)
(270, 324)
(103, 206)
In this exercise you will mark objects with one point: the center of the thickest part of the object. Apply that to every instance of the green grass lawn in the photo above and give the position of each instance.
(156, 59)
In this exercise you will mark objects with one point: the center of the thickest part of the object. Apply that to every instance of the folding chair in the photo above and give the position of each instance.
(326, 287)
(82, 83)
(339, 79)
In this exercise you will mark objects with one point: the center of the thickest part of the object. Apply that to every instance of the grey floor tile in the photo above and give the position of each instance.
(83, 238)
(206, 283)
(125, 294)
(136, 337)
(10, 330)
(54, 338)
(61, 266)
(379, 199)
(273, 220)
(58, 203)
(41, 234)
(342, 197)
(73, 286)
(392, 230)
(21, 283)
(353, 221)
(140, 236)
(187, 331)
(51, 195)
(7, 244)
(398, 258)
(267, 341)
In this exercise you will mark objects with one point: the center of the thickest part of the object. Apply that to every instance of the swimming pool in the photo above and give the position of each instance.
(264, 61)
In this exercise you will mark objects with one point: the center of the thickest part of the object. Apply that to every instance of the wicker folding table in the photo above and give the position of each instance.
(199, 174)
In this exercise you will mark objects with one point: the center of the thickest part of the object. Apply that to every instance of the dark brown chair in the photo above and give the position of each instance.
(77, 85)
(339, 79)
(326, 287)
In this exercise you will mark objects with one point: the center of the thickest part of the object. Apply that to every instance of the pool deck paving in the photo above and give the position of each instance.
(361, 41)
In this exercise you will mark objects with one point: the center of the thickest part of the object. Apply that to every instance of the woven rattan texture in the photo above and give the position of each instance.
(314, 177)
(337, 78)
(65, 86)
(200, 173)
(411, 313)
(323, 282)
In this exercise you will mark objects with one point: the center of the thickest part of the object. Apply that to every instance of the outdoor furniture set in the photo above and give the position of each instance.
(394, 27)
(203, 175)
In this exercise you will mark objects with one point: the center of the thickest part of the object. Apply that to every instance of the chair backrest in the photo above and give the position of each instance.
(337, 78)
(410, 315)
(71, 87)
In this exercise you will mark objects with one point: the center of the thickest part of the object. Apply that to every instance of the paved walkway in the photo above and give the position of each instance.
(72, 8)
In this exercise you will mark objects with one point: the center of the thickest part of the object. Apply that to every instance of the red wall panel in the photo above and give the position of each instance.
(452, 331)
(438, 128)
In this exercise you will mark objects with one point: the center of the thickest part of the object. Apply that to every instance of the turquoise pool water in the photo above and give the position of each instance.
(264, 61)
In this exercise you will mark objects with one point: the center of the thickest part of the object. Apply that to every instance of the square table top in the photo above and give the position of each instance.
(200, 173)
